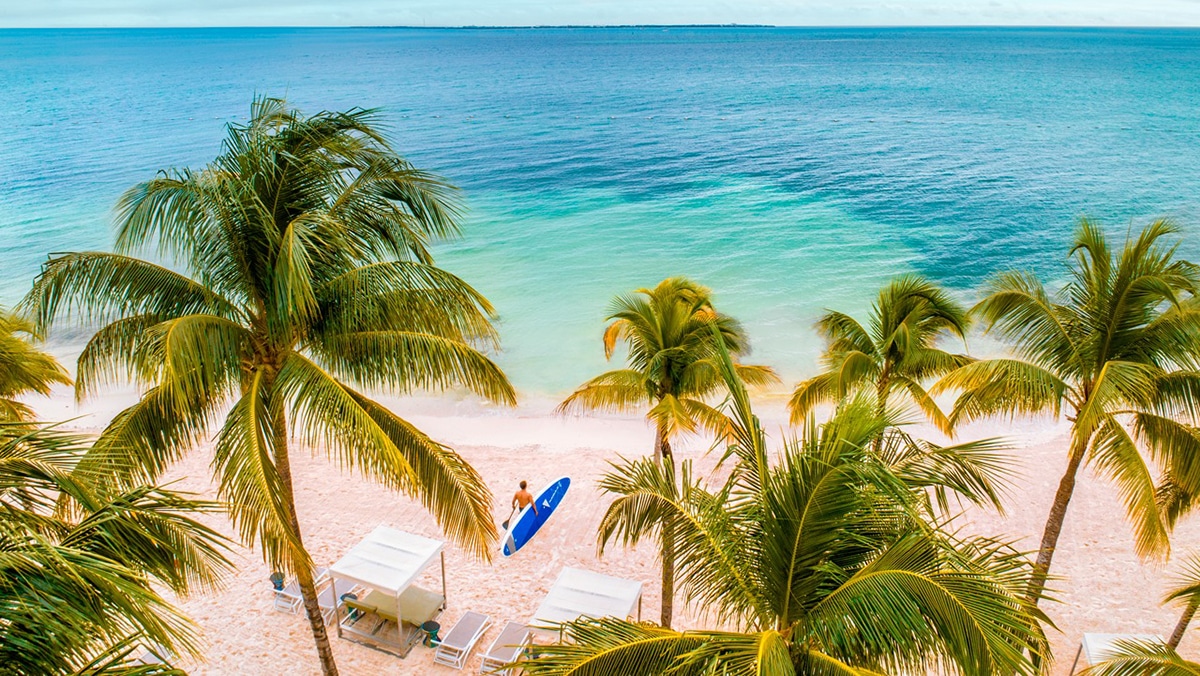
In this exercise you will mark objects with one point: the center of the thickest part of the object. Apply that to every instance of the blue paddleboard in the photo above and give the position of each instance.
(526, 524)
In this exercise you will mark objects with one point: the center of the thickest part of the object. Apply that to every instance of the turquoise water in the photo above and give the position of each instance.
(789, 169)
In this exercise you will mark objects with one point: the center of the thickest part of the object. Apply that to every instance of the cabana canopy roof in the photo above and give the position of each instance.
(581, 593)
(387, 559)
(1099, 647)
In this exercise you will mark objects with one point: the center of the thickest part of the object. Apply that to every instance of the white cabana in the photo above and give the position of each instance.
(1095, 648)
(381, 570)
(581, 593)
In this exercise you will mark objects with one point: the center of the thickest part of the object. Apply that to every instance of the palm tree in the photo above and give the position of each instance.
(23, 367)
(671, 371)
(1187, 591)
(819, 559)
(895, 353)
(306, 278)
(1116, 347)
(93, 558)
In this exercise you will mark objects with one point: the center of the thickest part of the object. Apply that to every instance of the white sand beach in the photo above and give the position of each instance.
(1101, 584)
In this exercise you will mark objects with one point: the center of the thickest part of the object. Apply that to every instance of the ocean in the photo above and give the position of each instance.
(790, 170)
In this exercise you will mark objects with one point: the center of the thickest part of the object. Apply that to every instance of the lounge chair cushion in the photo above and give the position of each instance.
(418, 606)
(415, 607)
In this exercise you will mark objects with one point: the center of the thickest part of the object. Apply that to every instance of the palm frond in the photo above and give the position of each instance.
(363, 435)
(614, 646)
(249, 481)
(1002, 386)
(409, 360)
(1115, 454)
(614, 391)
(142, 441)
(980, 472)
(910, 606)
(1137, 658)
(98, 287)
(24, 368)
(1017, 308)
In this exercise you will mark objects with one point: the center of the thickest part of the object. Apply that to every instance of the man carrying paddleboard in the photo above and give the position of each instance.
(535, 510)
(523, 497)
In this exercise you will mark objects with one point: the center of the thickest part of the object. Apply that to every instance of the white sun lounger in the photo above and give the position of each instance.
(507, 647)
(454, 649)
(154, 654)
(289, 599)
(328, 604)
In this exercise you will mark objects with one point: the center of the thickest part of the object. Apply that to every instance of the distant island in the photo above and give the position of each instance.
(636, 25)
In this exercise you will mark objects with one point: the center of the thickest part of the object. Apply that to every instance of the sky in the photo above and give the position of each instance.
(62, 13)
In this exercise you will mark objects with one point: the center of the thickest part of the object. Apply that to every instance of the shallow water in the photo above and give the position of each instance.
(789, 169)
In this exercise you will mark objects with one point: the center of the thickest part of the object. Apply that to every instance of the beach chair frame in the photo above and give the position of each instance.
(493, 662)
(155, 654)
(330, 601)
(451, 651)
(289, 599)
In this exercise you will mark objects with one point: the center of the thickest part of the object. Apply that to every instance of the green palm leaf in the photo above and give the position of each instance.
(1143, 659)
(80, 565)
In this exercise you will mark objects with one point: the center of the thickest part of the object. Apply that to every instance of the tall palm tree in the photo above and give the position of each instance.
(24, 368)
(820, 558)
(897, 352)
(79, 564)
(1115, 351)
(306, 278)
(671, 371)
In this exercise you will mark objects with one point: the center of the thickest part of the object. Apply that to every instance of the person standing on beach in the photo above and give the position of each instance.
(523, 497)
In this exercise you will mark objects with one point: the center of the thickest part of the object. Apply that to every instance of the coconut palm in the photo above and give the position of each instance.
(1186, 592)
(302, 277)
(896, 353)
(818, 559)
(1114, 350)
(671, 373)
(24, 368)
(79, 565)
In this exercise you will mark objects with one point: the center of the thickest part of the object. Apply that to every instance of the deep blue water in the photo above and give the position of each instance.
(789, 169)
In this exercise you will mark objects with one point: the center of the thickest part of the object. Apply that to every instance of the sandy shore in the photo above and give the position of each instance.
(1101, 585)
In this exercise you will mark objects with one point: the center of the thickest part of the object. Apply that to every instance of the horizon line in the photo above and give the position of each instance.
(483, 27)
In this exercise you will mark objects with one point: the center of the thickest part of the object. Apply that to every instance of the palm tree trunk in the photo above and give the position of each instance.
(662, 454)
(301, 562)
(881, 392)
(1184, 621)
(1054, 524)
(668, 574)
